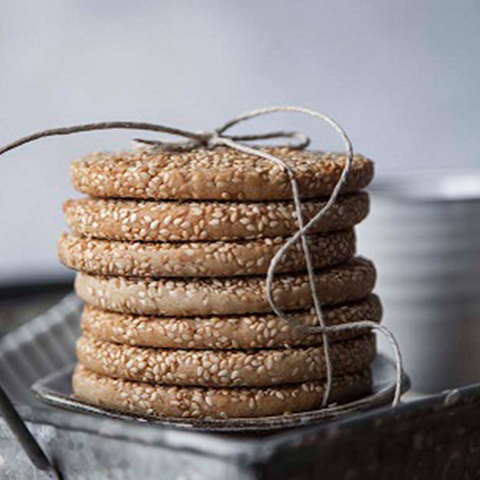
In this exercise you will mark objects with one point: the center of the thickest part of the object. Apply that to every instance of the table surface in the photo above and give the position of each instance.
(21, 303)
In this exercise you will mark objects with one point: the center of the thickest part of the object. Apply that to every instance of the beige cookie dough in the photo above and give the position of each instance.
(223, 368)
(193, 402)
(173, 221)
(215, 174)
(351, 281)
(199, 259)
(227, 332)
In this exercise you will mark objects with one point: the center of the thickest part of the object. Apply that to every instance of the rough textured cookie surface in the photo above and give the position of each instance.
(199, 259)
(193, 402)
(216, 174)
(227, 332)
(224, 368)
(173, 221)
(224, 296)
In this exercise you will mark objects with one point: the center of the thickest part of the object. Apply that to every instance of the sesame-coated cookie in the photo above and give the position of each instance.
(173, 221)
(215, 174)
(194, 259)
(227, 332)
(225, 296)
(194, 402)
(224, 368)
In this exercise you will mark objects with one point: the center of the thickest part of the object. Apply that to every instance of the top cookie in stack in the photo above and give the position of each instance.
(218, 174)
(172, 250)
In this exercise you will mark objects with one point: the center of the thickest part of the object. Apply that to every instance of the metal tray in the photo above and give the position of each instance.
(433, 437)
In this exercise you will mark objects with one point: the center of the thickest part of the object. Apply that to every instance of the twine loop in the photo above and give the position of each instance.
(218, 137)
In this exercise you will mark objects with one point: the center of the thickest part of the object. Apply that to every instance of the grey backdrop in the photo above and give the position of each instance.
(402, 77)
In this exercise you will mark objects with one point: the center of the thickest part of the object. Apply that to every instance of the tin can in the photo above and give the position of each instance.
(424, 234)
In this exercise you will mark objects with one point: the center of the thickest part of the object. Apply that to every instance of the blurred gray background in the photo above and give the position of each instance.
(402, 77)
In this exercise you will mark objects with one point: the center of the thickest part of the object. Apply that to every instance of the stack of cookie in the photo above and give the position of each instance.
(172, 250)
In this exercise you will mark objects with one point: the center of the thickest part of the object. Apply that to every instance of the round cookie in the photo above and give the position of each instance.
(194, 402)
(199, 259)
(223, 333)
(215, 174)
(172, 221)
(225, 296)
(223, 368)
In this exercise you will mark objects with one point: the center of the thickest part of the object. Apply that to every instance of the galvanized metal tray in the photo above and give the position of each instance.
(434, 437)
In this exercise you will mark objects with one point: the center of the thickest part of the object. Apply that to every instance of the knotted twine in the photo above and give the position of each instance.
(218, 137)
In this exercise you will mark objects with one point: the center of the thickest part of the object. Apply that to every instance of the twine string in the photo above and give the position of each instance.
(218, 137)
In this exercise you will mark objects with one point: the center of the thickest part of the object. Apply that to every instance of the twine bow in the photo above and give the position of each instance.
(218, 137)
